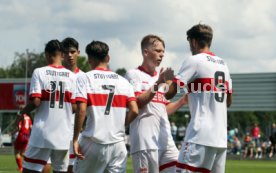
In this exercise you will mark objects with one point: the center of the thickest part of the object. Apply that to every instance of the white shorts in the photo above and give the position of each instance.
(200, 158)
(72, 156)
(109, 158)
(155, 161)
(36, 158)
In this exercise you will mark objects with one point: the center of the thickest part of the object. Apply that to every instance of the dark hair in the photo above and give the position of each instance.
(97, 49)
(149, 40)
(53, 47)
(203, 34)
(70, 42)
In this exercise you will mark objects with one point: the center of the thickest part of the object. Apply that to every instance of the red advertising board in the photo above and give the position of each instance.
(12, 95)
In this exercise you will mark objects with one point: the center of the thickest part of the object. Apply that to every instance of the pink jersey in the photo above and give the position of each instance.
(52, 121)
(151, 129)
(208, 80)
(107, 95)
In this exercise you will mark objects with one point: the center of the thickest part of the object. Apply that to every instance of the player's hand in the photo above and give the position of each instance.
(168, 74)
(77, 150)
(165, 75)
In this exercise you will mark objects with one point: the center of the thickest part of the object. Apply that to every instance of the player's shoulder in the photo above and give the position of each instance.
(133, 73)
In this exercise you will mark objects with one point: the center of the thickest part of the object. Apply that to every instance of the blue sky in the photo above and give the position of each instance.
(244, 31)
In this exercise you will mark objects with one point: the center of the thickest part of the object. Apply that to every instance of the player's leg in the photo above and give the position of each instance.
(18, 159)
(19, 149)
(60, 160)
(195, 158)
(95, 157)
(219, 163)
(35, 159)
(47, 168)
(145, 161)
(168, 159)
(118, 158)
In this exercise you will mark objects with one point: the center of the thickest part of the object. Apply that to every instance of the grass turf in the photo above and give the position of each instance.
(8, 165)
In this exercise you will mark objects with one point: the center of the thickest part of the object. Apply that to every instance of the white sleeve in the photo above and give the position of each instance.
(188, 71)
(131, 95)
(35, 87)
(73, 89)
(133, 79)
(81, 89)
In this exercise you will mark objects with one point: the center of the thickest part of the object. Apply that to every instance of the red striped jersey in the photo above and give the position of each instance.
(107, 95)
(25, 126)
(208, 81)
(52, 120)
(151, 129)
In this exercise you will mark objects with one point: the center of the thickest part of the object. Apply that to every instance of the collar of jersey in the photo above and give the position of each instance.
(54, 66)
(144, 70)
(77, 70)
(209, 53)
(102, 69)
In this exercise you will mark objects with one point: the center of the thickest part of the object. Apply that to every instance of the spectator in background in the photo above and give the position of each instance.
(173, 131)
(248, 146)
(255, 133)
(236, 145)
(273, 140)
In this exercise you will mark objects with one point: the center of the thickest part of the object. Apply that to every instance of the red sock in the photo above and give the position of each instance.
(19, 162)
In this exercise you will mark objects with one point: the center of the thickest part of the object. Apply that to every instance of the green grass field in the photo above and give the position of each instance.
(8, 165)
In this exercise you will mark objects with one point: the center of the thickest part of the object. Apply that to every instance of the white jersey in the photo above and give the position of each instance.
(107, 95)
(204, 74)
(77, 73)
(52, 120)
(151, 129)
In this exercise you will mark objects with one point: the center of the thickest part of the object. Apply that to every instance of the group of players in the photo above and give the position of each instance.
(64, 96)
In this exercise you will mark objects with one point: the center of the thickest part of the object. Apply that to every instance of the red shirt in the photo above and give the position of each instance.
(255, 132)
(25, 126)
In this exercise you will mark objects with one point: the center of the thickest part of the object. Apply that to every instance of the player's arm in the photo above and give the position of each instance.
(229, 100)
(79, 119)
(132, 113)
(174, 106)
(74, 108)
(35, 102)
(147, 96)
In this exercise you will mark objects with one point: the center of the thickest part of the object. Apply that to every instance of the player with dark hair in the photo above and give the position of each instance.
(23, 128)
(104, 96)
(208, 80)
(51, 95)
(71, 53)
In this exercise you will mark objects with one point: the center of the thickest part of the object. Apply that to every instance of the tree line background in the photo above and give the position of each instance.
(243, 121)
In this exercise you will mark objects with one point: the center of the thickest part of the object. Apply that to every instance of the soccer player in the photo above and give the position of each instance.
(104, 96)
(71, 52)
(51, 94)
(24, 127)
(152, 147)
(208, 80)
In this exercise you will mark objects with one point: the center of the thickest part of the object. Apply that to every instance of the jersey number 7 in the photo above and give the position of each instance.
(110, 97)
